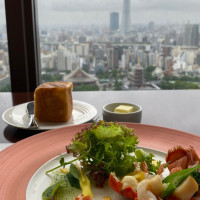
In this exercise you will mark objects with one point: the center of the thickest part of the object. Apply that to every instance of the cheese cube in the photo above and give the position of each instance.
(124, 109)
(186, 189)
(155, 184)
(53, 102)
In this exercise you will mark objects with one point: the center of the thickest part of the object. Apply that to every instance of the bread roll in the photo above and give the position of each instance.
(53, 102)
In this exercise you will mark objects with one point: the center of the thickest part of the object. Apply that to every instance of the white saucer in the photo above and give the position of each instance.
(17, 116)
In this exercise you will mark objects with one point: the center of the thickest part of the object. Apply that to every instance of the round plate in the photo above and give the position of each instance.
(20, 161)
(17, 116)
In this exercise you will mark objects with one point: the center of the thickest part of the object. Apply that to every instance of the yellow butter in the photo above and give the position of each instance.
(124, 109)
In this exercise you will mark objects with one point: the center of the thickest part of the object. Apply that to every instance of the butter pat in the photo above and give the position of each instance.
(124, 109)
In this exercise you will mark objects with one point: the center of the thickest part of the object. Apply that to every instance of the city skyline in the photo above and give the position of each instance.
(68, 12)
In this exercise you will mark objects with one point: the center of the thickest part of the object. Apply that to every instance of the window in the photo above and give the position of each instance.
(126, 45)
(4, 59)
(115, 45)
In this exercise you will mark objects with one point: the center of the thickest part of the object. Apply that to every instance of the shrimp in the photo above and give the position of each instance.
(143, 193)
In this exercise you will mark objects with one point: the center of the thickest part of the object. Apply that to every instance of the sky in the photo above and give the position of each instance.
(75, 12)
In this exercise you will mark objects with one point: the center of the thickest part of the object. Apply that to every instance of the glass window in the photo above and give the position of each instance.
(4, 59)
(120, 45)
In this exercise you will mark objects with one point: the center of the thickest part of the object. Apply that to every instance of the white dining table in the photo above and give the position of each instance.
(4, 145)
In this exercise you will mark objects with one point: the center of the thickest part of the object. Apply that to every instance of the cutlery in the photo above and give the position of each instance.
(30, 109)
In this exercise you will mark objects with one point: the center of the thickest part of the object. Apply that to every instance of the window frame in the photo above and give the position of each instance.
(23, 44)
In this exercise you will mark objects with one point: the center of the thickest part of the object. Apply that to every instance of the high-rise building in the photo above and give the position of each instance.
(191, 35)
(126, 16)
(198, 59)
(114, 21)
(61, 59)
(110, 57)
(151, 26)
(113, 57)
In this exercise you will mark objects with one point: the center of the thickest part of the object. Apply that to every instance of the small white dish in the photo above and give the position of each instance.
(110, 115)
(17, 116)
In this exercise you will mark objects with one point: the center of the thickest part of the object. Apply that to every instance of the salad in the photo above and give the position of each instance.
(108, 154)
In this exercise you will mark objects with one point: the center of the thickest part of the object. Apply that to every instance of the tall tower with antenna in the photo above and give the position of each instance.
(126, 16)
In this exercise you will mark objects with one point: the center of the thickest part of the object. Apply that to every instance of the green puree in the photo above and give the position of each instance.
(65, 191)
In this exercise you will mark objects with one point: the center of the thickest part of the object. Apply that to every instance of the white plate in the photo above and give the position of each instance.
(17, 116)
(40, 181)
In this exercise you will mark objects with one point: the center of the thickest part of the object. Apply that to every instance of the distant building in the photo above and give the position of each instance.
(125, 59)
(100, 66)
(151, 26)
(126, 16)
(61, 64)
(146, 59)
(70, 60)
(113, 56)
(81, 49)
(191, 35)
(82, 39)
(98, 55)
(198, 59)
(152, 59)
(114, 21)
(78, 77)
(136, 77)
(110, 57)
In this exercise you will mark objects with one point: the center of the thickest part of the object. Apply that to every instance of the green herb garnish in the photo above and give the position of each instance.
(103, 148)
(49, 193)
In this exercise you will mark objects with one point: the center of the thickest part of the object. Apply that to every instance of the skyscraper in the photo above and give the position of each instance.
(126, 16)
(114, 21)
(151, 26)
(191, 35)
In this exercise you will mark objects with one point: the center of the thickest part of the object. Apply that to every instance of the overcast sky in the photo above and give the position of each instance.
(97, 11)
(67, 12)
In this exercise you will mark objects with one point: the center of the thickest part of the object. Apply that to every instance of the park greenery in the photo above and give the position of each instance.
(148, 74)
(5, 88)
(85, 87)
(114, 75)
(172, 82)
(51, 78)
(179, 83)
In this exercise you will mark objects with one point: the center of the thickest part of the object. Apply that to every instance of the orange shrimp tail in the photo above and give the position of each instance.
(114, 183)
(161, 169)
(129, 193)
(144, 167)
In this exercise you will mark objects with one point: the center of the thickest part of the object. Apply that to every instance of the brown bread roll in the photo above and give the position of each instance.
(53, 102)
